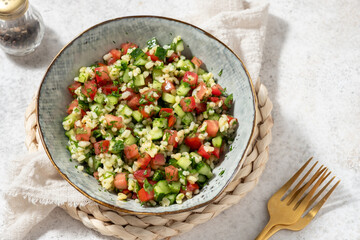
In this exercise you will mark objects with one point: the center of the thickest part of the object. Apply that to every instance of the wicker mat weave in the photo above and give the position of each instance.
(130, 227)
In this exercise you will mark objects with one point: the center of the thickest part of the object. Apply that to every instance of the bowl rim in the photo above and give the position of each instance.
(117, 208)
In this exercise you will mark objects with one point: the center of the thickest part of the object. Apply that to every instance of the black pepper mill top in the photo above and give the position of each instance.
(21, 27)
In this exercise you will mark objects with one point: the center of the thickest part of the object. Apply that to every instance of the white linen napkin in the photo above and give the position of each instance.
(36, 187)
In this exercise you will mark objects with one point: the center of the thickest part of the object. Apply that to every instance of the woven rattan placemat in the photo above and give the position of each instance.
(128, 226)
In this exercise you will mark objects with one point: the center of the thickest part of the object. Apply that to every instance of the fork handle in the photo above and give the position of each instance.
(273, 230)
(266, 229)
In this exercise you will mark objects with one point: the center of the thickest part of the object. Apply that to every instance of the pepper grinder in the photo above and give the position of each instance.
(21, 27)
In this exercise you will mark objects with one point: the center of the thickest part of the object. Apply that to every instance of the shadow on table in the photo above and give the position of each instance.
(43, 55)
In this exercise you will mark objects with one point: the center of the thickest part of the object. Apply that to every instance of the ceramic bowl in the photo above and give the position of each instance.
(89, 47)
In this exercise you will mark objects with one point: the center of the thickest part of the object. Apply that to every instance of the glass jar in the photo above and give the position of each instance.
(21, 27)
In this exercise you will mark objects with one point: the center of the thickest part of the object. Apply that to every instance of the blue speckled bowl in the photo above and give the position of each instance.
(89, 47)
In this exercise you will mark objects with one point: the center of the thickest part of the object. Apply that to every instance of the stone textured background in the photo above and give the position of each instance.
(311, 68)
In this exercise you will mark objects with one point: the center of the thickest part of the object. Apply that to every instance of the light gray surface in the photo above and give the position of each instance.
(312, 71)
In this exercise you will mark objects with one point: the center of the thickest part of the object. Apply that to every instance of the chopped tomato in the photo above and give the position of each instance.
(131, 151)
(102, 75)
(171, 135)
(212, 127)
(151, 95)
(167, 86)
(216, 90)
(172, 57)
(141, 174)
(132, 94)
(200, 107)
(214, 99)
(144, 160)
(126, 46)
(203, 153)
(201, 90)
(171, 121)
(191, 78)
(157, 161)
(193, 141)
(114, 121)
(116, 54)
(134, 103)
(152, 56)
(109, 88)
(101, 146)
(73, 104)
(144, 113)
(191, 187)
(89, 89)
(73, 87)
(82, 133)
(196, 61)
(188, 104)
(96, 175)
(171, 173)
(166, 112)
(216, 152)
(120, 181)
(145, 196)
(231, 118)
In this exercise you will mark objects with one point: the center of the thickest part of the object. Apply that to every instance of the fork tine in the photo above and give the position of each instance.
(295, 191)
(288, 184)
(307, 198)
(318, 194)
(307, 185)
(317, 207)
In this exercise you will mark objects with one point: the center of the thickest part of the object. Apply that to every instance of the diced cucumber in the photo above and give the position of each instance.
(130, 140)
(137, 116)
(215, 116)
(137, 187)
(160, 123)
(158, 175)
(173, 162)
(83, 77)
(156, 133)
(175, 187)
(140, 62)
(185, 65)
(126, 77)
(152, 42)
(96, 107)
(184, 162)
(167, 97)
(160, 53)
(156, 109)
(137, 53)
(112, 100)
(70, 134)
(139, 80)
(99, 98)
(97, 164)
(71, 119)
(201, 71)
(202, 178)
(161, 189)
(126, 111)
(178, 110)
(171, 197)
(157, 85)
(179, 46)
(206, 77)
(204, 169)
(217, 141)
(187, 118)
(156, 74)
(116, 146)
(184, 148)
(183, 89)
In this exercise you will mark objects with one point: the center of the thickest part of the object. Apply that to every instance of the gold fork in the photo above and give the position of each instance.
(289, 210)
(304, 221)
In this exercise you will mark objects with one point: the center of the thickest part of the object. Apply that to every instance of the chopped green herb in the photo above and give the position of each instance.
(220, 73)
(221, 173)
